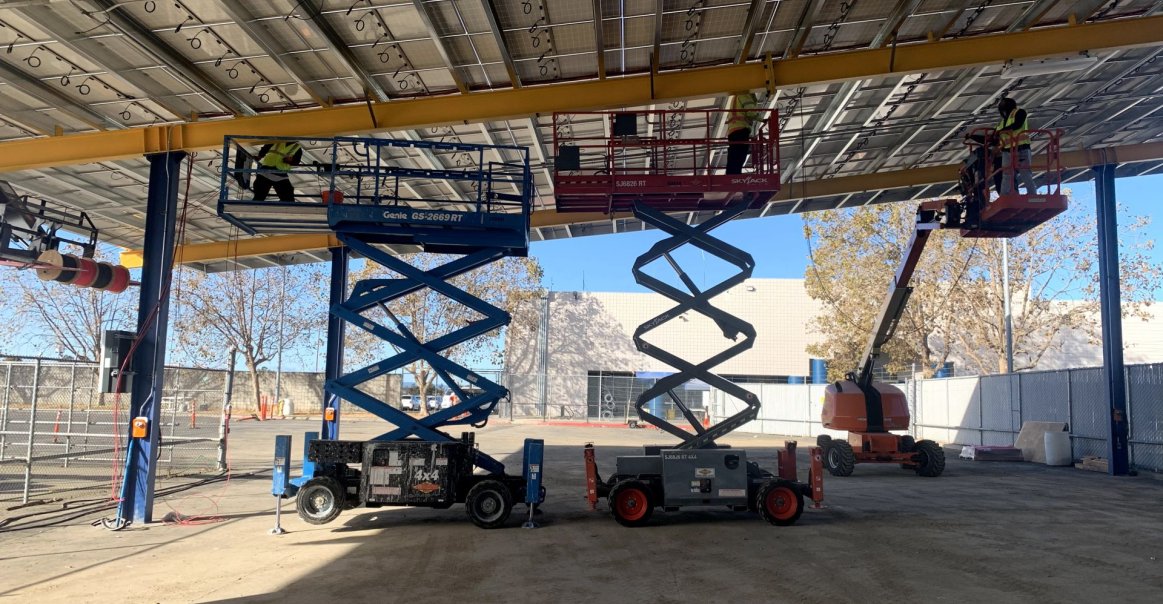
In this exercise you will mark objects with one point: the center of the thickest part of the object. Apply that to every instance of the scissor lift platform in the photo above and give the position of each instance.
(355, 185)
(663, 159)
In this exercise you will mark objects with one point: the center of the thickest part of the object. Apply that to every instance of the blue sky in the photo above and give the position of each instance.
(777, 243)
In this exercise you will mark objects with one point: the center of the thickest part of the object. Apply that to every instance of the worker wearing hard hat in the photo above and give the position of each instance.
(275, 161)
(740, 123)
(1015, 146)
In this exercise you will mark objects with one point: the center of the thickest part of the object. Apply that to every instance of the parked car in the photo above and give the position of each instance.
(448, 401)
(410, 402)
(433, 403)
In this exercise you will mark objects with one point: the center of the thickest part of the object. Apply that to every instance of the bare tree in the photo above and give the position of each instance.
(427, 314)
(957, 306)
(243, 309)
(67, 318)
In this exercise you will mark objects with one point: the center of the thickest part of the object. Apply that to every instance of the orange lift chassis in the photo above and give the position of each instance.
(870, 411)
(654, 162)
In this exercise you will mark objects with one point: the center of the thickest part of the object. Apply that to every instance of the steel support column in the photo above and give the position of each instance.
(152, 322)
(333, 368)
(1112, 320)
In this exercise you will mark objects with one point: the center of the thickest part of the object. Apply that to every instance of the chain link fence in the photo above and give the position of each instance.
(59, 436)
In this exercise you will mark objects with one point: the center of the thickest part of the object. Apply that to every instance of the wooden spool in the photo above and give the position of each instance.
(61, 268)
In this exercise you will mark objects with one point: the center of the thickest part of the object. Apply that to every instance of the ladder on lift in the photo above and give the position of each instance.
(368, 200)
(652, 163)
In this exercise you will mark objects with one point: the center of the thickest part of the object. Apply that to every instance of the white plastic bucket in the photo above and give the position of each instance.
(288, 408)
(1058, 449)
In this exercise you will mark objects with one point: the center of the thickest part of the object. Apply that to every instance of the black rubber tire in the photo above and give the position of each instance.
(775, 500)
(488, 504)
(839, 458)
(906, 444)
(320, 500)
(930, 459)
(823, 441)
(632, 503)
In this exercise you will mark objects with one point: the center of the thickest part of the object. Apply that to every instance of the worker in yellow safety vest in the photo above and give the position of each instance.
(742, 120)
(275, 160)
(1014, 142)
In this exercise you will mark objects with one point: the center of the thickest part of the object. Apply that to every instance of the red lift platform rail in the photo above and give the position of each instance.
(1013, 213)
(665, 159)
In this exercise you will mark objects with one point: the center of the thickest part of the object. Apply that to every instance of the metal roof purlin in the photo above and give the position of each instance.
(499, 36)
(245, 21)
(54, 98)
(589, 94)
(441, 49)
(599, 39)
(81, 47)
(179, 66)
(318, 23)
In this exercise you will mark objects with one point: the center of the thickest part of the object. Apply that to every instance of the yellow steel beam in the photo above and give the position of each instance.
(585, 95)
(239, 248)
(286, 244)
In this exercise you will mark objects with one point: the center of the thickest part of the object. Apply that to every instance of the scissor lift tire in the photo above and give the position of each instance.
(631, 503)
(488, 504)
(320, 500)
(780, 502)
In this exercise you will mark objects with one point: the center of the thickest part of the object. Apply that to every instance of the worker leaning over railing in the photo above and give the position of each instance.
(744, 116)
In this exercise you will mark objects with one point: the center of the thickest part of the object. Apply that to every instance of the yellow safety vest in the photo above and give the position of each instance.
(279, 155)
(744, 114)
(1012, 138)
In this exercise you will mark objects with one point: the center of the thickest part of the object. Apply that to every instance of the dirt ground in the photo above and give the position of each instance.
(981, 533)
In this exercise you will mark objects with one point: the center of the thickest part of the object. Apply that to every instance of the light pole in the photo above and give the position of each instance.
(1005, 289)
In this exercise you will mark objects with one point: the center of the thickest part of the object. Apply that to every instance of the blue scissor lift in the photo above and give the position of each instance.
(357, 189)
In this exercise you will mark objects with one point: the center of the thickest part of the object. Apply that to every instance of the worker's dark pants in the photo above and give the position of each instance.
(737, 149)
(283, 188)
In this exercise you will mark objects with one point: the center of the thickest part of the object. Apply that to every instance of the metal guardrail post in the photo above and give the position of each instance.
(4, 416)
(31, 433)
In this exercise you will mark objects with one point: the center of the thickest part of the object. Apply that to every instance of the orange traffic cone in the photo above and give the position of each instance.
(706, 420)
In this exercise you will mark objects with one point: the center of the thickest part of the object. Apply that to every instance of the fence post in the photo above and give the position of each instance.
(4, 417)
(69, 420)
(1070, 408)
(224, 419)
(1130, 416)
(31, 433)
(980, 412)
(1016, 429)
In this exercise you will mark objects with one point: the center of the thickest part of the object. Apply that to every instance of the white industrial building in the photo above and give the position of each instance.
(580, 359)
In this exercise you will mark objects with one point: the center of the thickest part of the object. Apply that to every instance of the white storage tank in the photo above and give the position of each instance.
(1058, 449)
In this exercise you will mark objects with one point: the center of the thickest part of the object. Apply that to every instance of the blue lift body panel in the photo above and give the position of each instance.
(281, 476)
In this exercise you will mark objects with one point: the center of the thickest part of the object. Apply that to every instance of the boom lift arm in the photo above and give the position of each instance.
(898, 296)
